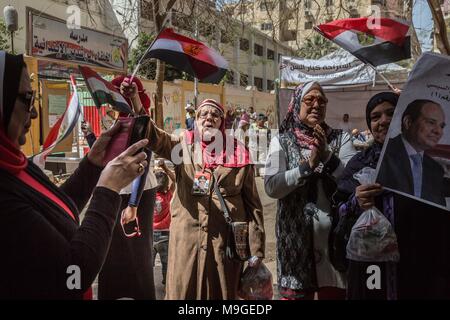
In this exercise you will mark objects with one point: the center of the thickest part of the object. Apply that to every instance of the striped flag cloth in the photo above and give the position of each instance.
(188, 55)
(375, 41)
(104, 92)
(62, 128)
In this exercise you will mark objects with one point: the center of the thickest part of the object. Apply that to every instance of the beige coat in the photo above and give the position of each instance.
(197, 265)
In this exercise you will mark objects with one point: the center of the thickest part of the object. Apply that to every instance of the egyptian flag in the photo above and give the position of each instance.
(188, 55)
(378, 44)
(103, 92)
(62, 128)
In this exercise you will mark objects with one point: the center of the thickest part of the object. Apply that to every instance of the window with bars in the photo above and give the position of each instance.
(244, 80)
(244, 44)
(147, 10)
(266, 26)
(258, 50)
(258, 83)
(270, 54)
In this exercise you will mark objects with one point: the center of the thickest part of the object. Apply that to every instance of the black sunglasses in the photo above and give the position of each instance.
(28, 99)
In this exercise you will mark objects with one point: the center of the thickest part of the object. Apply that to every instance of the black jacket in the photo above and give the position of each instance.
(39, 240)
(395, 173)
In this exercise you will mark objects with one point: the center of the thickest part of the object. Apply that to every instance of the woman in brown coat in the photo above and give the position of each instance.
(198, 267)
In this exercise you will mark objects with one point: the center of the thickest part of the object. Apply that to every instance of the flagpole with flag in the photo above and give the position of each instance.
(389, 41)
(196, 79)
(138, 65)
(62, 128)
(365, 62)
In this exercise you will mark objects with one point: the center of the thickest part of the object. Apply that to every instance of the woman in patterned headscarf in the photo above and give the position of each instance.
(304, 161)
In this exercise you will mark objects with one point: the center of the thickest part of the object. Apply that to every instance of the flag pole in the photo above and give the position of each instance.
(136, 69)
(196, 79)
(382, 76)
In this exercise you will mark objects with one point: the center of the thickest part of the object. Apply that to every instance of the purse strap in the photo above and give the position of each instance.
(223, 205)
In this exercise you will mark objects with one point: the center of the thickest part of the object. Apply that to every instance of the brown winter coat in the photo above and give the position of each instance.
(197, 265)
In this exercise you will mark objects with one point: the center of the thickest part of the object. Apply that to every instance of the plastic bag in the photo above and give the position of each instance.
(372, 238)
(256, 283)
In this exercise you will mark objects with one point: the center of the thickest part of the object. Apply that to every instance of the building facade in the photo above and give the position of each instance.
(252, 55)
(292, 21)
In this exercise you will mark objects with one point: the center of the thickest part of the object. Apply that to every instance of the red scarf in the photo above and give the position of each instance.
(238, 158)
(14, 161)
(11, 158)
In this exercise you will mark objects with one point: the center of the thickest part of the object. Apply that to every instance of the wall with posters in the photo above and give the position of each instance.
(178, 94)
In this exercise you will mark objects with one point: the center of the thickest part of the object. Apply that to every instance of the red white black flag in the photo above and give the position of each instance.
(188, 55)
(373, 41)
(104, 92)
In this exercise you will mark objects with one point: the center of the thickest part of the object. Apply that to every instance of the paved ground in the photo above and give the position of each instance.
(269, 206)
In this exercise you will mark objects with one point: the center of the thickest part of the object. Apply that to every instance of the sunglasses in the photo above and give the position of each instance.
(215, 115)
(28, 99)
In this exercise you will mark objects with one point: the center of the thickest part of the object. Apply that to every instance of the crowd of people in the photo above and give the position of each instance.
(204, 218)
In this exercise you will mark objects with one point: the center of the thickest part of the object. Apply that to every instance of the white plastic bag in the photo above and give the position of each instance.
(372, 238)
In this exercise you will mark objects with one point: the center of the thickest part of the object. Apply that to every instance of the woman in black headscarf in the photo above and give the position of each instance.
(46, 253)
(379, 112)
(421, 229)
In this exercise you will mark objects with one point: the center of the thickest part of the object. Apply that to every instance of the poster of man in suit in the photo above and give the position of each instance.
(415, 160)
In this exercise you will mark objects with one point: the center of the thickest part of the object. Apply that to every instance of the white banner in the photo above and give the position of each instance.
(49, 37)
(336, 69)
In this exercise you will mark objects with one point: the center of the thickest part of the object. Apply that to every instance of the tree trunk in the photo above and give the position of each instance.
(416, 49)
(440, 29)
(160, 68)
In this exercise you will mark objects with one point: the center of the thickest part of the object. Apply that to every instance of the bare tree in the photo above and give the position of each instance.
(440, 29)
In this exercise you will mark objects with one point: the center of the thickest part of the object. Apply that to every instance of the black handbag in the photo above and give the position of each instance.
(237, 243)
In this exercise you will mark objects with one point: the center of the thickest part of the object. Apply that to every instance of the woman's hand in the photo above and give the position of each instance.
(98, 150)
(130, 91)
(365, 195)
(123, 169)
(321, 143)
(129, 214)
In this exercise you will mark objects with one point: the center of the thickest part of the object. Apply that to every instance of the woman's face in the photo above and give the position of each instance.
(23, 112)
(208, 121)
(380, 119)
(313, 108)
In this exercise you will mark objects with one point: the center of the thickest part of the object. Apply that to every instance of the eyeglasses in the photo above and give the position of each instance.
(214, 114)
(310, 100)
(28, 99)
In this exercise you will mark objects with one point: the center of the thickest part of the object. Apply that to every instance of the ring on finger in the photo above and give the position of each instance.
(141, 168)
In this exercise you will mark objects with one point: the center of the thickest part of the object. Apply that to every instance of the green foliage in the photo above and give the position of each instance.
(316, 47)
(4, 36)
(148, 67)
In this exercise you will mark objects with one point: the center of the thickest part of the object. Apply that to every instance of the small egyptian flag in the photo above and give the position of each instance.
(188, 55)
(104, 92)
(375, 41)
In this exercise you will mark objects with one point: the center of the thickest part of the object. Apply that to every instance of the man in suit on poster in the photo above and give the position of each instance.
(405, 165)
